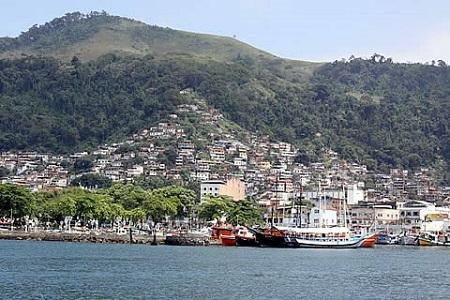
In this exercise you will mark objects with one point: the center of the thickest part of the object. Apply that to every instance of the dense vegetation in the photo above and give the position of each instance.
(372, 111)
(121, 201)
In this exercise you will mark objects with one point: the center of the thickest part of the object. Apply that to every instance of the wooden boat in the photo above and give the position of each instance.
(244, 237)
(273, 237)
(228, 240)
(331, 237)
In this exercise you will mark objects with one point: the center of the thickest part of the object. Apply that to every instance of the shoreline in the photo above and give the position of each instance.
(104, 238)
(76, 237)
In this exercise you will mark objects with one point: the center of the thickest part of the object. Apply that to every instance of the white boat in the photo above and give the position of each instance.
(324, 236)
(331, 237)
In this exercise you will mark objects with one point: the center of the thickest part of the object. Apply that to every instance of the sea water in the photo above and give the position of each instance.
(56, 270)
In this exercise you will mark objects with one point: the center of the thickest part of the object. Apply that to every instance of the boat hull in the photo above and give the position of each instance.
(273, 238)
(383, 239)
(428, 242)
(246, 242)
(228, 240)
(425, 242)
(409, 240)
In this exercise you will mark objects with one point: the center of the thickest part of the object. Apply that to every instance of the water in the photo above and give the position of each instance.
(52, 270)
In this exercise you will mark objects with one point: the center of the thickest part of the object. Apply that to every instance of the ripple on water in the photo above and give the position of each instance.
(45, 270)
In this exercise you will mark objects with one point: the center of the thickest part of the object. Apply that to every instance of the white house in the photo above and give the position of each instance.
(322, 217)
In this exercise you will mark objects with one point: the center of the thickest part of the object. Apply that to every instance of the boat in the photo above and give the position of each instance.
(220, 230)
(331, 237)
(228, 240)
(383, 239)
(325, 236)
(273, 237)
(434, 239)
(408, 240)
(435, 230)
(244, 237)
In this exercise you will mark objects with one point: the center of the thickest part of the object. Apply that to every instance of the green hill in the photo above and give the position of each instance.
(127, 74)
(91, 36)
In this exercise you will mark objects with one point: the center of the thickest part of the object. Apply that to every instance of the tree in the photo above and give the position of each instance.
(128, 195)
(157, 206)
(154, 182)
(169, 156)
(75, 61)
(15, 200)
(83, 164)
(136, 214)
(215, 207)
(245, 212)
(64, 205)
(4, 172)
(184, 198)
(92, 181)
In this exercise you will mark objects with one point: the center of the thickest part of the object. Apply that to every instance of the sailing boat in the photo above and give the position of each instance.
(330, 237)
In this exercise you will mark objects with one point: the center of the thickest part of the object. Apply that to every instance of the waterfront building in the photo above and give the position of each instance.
(233, 188)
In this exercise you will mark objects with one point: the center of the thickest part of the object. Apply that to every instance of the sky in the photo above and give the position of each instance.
(315, 30)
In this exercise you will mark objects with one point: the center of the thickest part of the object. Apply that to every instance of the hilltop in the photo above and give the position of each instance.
(90, 36)
(82, 80)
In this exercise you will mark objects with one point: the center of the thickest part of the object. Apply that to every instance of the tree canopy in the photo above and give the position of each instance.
(241, 212)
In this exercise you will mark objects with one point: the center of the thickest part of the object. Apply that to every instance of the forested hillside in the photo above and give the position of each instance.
(373, 111)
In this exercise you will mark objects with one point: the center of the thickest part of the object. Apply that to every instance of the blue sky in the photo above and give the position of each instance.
(316, 30)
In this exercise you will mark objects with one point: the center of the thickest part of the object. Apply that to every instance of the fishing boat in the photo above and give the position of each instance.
(435, 230)
(432, 239)
(383, 239)
(331, 237)
(408, 240)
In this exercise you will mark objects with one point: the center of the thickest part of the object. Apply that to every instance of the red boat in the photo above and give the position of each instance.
(228, 240)
(370, 241)
(218, 231)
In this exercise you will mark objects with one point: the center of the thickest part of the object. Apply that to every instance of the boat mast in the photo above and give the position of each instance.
(284, 203)
(299, 213)
(345, 206)
(319, 193)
